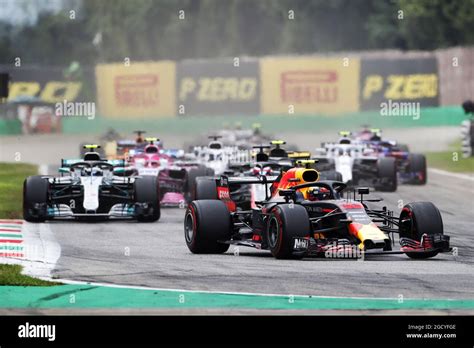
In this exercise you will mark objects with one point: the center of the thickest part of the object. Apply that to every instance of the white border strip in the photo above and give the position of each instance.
(469, 177)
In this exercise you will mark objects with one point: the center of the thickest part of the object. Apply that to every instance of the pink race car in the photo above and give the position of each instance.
(176, 178)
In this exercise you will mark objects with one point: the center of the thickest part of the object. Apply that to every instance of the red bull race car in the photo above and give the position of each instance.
(299, 215)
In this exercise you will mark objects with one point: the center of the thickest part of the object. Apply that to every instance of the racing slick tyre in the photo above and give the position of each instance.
(387, 175)
(331, 175)
(420, 218)
(417, 165)
(35, 191)
(205, 188)
(193, 174)
(286, 222)
(147, 191)
(205, 224)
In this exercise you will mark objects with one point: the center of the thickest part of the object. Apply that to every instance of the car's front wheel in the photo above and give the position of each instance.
(418, 219)
(35, 197)
(417, 166)
(207, 224)
(285, 223)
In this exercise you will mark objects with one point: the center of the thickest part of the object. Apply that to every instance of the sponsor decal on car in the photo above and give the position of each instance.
(300, 244)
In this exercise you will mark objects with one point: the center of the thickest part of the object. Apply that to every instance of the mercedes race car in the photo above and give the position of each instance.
(301, 216)
(91, 189)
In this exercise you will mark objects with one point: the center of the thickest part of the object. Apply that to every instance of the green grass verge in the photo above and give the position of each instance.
(451, 160)
(12, 176)
(10, 275)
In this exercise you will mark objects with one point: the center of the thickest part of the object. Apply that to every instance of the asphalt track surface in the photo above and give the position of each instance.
(155, 255)
(48, 149)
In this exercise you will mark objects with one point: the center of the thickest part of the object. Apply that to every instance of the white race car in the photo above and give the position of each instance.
(358, 164)
(217, 156)
(90, 189)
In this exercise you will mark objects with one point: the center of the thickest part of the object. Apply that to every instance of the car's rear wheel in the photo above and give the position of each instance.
(207, 224)
(417, 219)
(387, 175)
(285, 223)
(205, 188)
(193, 174)
(35, 198)
(147, 192)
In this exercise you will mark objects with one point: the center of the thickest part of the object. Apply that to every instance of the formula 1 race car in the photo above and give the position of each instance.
(217, 156)
(90, 189)
(113, 146)
(243, 138)
(269, 161)
(411, 167)
(176, 175)
(301, 216)
(358, 164)
(151, 161)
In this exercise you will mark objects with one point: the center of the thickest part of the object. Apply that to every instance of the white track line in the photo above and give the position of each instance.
(469, 177)
(75, 282)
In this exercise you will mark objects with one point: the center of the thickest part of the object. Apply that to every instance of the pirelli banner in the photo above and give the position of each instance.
(398, 80)
(218, 87)
(145, 89)
(309, 85)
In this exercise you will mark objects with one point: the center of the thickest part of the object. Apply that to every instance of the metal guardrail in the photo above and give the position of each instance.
(467, 132)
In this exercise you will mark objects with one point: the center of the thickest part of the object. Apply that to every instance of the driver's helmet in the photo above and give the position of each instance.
(345, 140)
(152, 149)
(376, 137)
(256, 129)
(317, 193)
